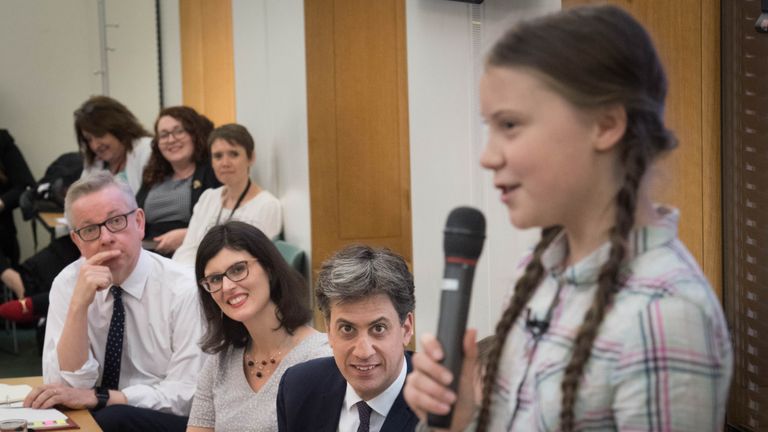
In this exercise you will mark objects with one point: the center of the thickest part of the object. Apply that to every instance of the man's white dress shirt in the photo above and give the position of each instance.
(163, 325)
(380, 405)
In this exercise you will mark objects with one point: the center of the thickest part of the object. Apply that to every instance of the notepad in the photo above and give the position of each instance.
(13, 393)
(39, 419)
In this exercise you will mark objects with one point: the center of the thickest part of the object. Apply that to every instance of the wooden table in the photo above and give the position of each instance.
(49, 221)
(81, 417)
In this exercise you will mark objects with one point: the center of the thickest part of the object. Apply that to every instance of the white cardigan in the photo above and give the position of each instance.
(262, 211)
(135, 161)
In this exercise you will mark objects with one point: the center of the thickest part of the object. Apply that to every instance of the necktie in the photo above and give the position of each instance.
(114, 350)
(364, 411)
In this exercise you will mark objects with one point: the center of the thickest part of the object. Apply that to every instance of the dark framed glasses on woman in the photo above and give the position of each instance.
(236, 272)
(166, 136)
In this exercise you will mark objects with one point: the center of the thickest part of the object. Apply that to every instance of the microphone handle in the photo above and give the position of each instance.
(452, 324)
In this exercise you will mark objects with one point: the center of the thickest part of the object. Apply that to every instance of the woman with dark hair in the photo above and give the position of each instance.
(178, 172)
(15, 177)
(110, 137)
(232, 155)
(627, 333)
(257, 314)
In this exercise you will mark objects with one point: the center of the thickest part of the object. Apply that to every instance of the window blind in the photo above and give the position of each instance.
(745, 202)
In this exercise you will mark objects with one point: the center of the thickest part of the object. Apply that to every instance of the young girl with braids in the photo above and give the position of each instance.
(612, 325)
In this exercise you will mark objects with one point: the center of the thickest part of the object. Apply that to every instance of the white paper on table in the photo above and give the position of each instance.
(31, 415)
(13, 393)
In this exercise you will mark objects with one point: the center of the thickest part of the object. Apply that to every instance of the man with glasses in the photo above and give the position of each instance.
(123, 323)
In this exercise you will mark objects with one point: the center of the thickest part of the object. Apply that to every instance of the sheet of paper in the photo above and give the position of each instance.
(13, 393)
(31, 415)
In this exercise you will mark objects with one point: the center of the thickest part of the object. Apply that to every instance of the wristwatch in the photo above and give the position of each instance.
(102, 397)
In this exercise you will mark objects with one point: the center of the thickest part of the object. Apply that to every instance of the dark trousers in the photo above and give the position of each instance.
(39, 270)
(9, 252)
(126, 418)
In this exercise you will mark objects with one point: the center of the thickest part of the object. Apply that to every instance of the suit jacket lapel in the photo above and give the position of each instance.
(328, 408)
(400, 417)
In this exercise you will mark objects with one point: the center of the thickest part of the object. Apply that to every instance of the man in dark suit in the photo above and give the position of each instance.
(367, 298)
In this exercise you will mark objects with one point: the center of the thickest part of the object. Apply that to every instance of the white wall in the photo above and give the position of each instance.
(170, 38)
(446, 139)
(134, 74)
(271, 98)
(51, 54)
(48, 70)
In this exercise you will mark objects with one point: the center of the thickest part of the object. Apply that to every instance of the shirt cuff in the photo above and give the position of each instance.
(149, 396)
(135, 396)
(85, 377)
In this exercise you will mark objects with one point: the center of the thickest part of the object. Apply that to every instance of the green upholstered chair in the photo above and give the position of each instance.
(294, 256)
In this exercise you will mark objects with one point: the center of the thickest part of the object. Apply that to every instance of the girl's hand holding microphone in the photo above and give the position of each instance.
(427, 387)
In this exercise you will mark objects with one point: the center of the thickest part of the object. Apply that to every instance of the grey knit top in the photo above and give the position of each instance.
(169, 200)
(225, 401)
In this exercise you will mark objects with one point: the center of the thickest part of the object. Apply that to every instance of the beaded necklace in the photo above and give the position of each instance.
(263, 367)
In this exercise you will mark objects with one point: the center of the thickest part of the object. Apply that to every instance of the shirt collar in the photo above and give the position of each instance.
(137, 280)
(383, 402)
(661, 231)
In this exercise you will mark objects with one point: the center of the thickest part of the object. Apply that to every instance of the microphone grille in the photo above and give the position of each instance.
(464, 233)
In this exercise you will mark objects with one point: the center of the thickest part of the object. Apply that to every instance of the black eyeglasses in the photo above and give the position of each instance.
(113, 224)
(176, 133)
(236, 272)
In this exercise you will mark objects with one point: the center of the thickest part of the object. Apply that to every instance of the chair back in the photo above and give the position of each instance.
(294, 256)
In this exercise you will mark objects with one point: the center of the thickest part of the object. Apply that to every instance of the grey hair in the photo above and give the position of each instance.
(91, 183)
(359, 271)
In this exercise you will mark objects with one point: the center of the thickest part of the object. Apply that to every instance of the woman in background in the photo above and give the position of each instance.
(111, 138)
(257, 315)
(15, 177)
(232, 155)
(178, 172)
(634, 338)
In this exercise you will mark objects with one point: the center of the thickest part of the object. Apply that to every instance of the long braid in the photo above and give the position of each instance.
(524, 290)
(635, 159)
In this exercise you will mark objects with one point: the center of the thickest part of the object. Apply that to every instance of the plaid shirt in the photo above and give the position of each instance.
(662, 360)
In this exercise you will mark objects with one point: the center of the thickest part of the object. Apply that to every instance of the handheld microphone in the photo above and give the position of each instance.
(462, 242)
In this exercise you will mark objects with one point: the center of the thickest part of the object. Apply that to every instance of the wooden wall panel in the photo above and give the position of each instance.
(207, 58)
(687, 35)
(368, 154)
(358, 125)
